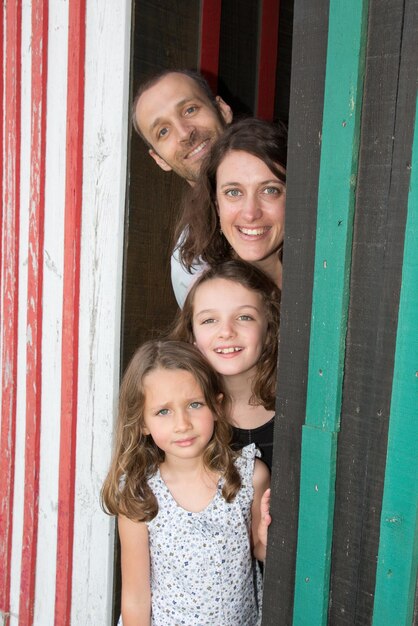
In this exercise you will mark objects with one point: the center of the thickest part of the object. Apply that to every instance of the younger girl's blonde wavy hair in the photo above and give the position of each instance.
(136, 457)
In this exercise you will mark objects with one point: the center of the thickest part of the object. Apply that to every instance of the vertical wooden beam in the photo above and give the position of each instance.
(305, 123)
(268, 41)
(71, 298)
(11, 17)
(381, 205)
(34, 309)
(210, 31)
(396, 575)
(337, 181)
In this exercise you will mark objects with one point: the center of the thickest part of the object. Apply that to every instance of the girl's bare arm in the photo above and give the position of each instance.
(135, 561)
(260, 509)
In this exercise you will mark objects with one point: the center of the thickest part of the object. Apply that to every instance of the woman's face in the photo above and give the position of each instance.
(251, 204)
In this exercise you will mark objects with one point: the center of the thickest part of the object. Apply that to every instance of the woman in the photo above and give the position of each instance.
(237, 208)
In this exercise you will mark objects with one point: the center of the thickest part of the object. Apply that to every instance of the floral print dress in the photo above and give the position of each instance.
(202, 570)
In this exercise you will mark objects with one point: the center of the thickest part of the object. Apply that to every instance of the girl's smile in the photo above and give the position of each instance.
(229, 325)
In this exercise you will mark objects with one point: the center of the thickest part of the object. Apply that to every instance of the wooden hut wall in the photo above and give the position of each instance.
(63, 141)
(366, 567)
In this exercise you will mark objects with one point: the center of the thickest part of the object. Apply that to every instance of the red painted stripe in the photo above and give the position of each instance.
(70, 322)
(39, 50)
(2, 107)
(267, 60)
(11, 12)
(210, 28)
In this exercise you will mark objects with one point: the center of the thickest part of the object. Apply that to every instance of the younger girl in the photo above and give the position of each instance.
(231, 314)
(189, 508)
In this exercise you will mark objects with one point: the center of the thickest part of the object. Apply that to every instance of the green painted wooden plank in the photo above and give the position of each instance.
(336, 198)
(315, 526)
(347, 35)
(398, 548)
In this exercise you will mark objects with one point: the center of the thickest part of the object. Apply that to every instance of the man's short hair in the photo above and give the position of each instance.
(154, 78)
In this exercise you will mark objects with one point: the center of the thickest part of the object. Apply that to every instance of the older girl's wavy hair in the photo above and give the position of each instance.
(198, 229)
(251, 277)
(136, 457)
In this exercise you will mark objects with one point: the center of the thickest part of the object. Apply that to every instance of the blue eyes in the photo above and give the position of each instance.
(241, 318)
(163, 132)
(193, 405)
(268, 191)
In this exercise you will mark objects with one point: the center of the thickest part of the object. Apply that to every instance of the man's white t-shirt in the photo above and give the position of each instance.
(181, 279)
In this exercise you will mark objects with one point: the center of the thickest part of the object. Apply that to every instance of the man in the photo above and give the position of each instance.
(178, 117)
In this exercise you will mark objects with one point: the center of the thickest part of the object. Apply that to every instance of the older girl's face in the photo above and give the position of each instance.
(251, 204)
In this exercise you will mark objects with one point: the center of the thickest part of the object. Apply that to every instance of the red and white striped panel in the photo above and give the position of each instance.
(64, 151)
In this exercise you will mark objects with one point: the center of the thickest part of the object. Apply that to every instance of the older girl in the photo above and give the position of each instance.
(231, 314)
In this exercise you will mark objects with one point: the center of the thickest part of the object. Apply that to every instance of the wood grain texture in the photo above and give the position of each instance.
(106, 119)
(380, 214)
(10, 211)
(34, 310)
(397, 565)
(71, 312)
(338, 170)
(305, 123)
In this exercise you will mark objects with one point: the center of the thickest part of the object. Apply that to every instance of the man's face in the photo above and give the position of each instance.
(180, 123)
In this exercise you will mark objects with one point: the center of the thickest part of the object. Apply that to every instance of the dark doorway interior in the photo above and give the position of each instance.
(167, 34)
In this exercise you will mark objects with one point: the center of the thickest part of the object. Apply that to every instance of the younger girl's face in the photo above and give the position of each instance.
(176, 413)
(229, 325)
(251, 203)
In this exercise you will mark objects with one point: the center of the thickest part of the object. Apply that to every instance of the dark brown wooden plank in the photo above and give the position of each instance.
(385, 151)
(305, 118)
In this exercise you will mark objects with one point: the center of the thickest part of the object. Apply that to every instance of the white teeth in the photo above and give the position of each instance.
(227, 350)
(197, 149)
(252, 231)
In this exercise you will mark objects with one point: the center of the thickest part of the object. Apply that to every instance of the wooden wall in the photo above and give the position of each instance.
(63, 146)
(343, 546)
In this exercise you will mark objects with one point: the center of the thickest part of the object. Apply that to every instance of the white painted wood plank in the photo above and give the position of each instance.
(52, 311)
(105, 157)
